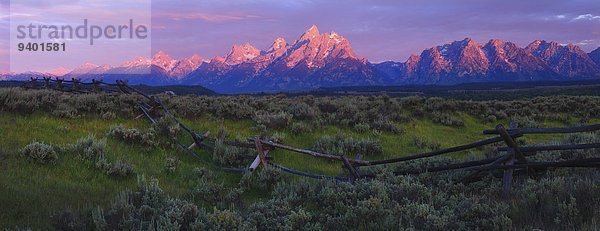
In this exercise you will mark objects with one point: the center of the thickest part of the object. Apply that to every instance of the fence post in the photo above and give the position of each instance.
(76, 86)
(121, 86)
(59, 84)
(47, 83)
(96, 85)
(508, 173)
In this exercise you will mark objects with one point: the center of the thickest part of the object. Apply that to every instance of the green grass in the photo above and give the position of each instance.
(30, 193)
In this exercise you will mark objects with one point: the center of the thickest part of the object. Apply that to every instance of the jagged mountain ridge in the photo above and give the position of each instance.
(595, 56)
(161, 69)
(315, 60)
(567, 60)
(327, 59)
(469, 61)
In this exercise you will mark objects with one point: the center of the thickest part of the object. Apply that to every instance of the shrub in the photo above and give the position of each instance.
(270, 176)
(342, 146)
(147, 208)
(102, 164)
(276, 137)
(217, 193)
(109, 115)
(302, 111)
(204, 173)
(273, 120)
(208, 191)
(526, 122)
(89, 148)
(171, 164)
(228, 155)
(40, 152)
(230, 108)
(165, 127)
(133, 136)
(301, 128)
(384, 124)
(120, 169)
(362, 127)
(422, 143)
(446, 119)
(490, 119)
(264, 179)
(65, 111)
(224, 220)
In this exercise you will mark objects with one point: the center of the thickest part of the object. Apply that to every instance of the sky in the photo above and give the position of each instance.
(378, 30)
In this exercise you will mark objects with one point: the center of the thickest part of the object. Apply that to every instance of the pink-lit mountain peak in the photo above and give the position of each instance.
(84, 68)
(316, 49)
(278, 44)
(161, 55)
(241, 53)
(311, 33)
(196, 58)
(567, 60)
(58, 71)
(163, 60)
(185, 66)
(137, 62)
(496, 43)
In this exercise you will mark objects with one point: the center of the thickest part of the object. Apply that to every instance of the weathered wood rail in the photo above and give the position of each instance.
(513, 157)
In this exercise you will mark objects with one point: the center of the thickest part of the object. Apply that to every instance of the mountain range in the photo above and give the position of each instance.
(327, 60)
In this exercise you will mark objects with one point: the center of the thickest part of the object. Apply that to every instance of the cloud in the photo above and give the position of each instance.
(586, 42)
(588, 17)
(17, 16)
(207, 16)
(560, 16)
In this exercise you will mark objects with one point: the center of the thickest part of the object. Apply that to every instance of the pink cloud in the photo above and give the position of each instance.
(206, 16)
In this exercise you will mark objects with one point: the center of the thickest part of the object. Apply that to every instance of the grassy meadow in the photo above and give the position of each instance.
(32, 192)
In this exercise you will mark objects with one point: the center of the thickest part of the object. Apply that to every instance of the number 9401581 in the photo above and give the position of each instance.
(41, 47)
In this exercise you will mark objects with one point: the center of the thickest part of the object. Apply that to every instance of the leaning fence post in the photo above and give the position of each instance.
(511, 143)
(121, 86)
(261, 152)
(508, 173)
(348, 165)
(197, 142)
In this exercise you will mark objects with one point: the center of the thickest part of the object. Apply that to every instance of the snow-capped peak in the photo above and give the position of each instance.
(139, 61)
(311, 33)
(163, 60)
(241, 53)
(84, 68)
(58, 71)
(278, 44)
(336, 37)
